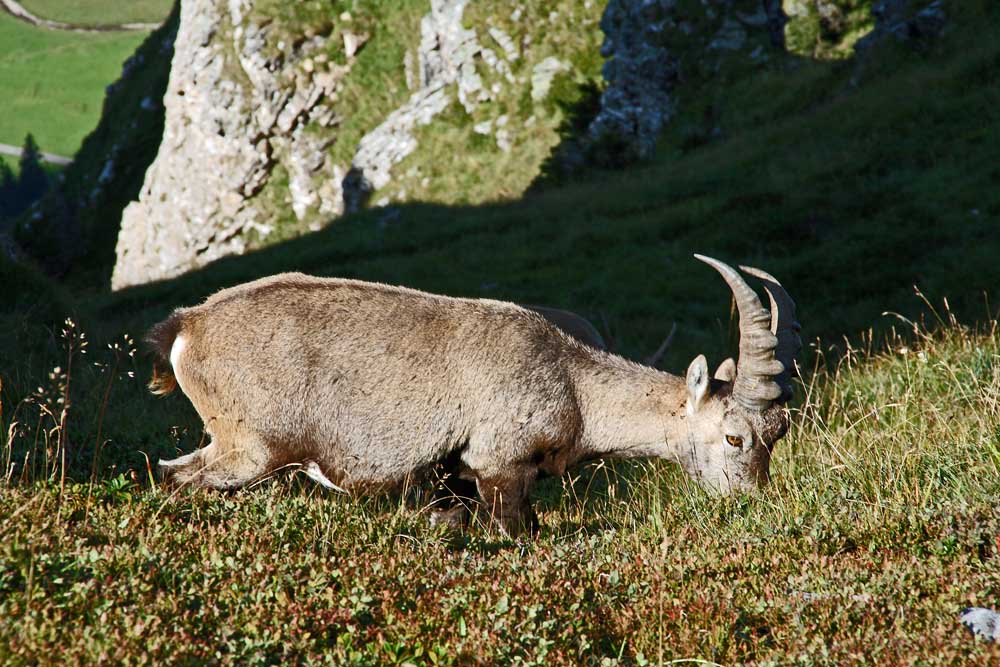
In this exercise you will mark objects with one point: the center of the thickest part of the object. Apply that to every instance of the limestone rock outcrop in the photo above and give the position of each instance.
(234, 111)
(254, 116)
(267, 132)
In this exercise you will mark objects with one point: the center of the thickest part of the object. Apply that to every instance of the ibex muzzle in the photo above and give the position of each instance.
(366, 385)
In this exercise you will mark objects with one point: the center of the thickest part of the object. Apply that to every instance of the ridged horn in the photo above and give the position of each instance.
(754, 387)
(784, 326)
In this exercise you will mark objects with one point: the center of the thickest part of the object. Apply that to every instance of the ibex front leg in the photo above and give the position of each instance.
(453, 497)
(505, 498)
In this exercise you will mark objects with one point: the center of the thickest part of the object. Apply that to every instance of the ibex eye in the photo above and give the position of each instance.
(734, 440)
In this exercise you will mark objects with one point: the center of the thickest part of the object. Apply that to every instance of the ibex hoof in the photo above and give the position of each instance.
(454, 519)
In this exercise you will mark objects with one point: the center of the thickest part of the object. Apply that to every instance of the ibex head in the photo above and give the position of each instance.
(735, 417)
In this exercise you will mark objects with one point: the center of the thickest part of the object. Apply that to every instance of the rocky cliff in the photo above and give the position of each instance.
(281, 116)
(265, 138)
(278, 117)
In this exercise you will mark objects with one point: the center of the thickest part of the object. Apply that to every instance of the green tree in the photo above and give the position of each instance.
(33, 181)
(8, 190)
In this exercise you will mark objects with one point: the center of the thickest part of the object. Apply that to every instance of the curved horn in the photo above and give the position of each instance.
(753, 389)
(784, 326)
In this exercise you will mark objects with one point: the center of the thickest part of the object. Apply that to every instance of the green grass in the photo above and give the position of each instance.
(849, 182)
(879, 527)
(52, 82)
(101, 12)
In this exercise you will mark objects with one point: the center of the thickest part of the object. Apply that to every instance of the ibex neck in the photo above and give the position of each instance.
(628, 410)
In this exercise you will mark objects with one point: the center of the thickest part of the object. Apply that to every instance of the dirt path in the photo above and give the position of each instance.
(15, 9)
(51, 158)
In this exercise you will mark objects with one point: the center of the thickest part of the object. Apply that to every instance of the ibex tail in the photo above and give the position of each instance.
(161, 339)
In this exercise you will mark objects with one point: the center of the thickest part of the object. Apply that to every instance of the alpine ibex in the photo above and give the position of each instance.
(367, 385)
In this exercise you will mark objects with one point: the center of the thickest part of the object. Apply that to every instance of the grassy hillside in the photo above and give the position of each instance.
(52, 82)
(850, 181)
(101, 12)
(880, 526)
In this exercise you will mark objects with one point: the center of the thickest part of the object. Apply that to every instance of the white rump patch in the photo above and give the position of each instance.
(315, 474)
(175, 351)
(175, 358)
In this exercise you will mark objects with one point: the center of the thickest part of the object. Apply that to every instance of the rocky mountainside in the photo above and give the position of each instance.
(279, 117)
(264, 138)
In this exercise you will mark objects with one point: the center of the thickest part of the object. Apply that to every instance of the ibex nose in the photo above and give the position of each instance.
(727, 486)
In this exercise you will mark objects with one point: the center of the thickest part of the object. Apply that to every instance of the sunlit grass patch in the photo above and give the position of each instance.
(879, 526)
(100, 12)
(52, 82)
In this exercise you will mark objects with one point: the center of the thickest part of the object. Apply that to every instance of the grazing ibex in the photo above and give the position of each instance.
(366, 385)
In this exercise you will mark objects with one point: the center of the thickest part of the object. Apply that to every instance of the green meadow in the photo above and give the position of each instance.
(52, 82)
(99, 12)
(868, 188)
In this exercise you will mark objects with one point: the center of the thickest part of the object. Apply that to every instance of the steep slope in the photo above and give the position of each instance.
(280, 117)
(73, 231)
(268, 134)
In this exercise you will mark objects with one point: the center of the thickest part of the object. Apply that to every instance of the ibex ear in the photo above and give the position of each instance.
(726, 371)
(697, 383)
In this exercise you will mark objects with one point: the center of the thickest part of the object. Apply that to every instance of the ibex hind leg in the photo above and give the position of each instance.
(220, 465)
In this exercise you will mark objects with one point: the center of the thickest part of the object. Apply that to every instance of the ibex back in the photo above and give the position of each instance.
(366, 385)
